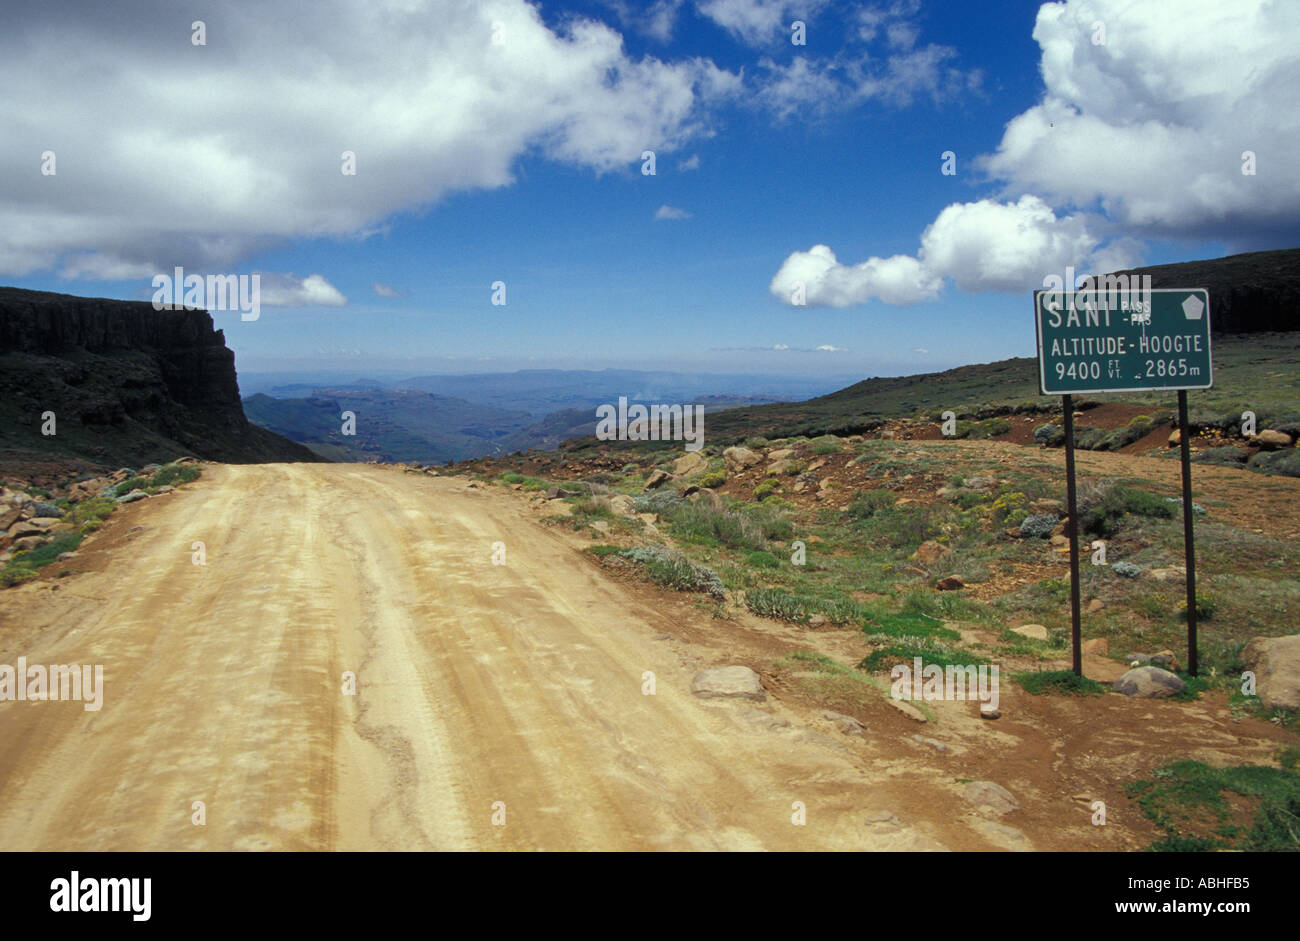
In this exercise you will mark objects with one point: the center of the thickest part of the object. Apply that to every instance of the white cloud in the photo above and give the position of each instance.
(922, 350)
(828, 348)
(385, 290)
(1151, 126)
(1139, 137)
(670, 212)
(897, 280)
(757, 22)
(980, 246)
(690, 163)
(239, 149)
(284, 290)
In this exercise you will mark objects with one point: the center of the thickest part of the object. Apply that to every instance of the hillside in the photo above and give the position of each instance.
(126, 384)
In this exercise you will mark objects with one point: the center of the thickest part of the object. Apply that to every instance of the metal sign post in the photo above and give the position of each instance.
(1107, 340)
(1072, 507)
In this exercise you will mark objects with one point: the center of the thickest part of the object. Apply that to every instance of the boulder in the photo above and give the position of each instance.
(734, 682)
(1098, 645)
(930, 552)
(1270, 440)
(622, 504)
(42, 509)
(1175, 438)
(24, 528)
(29, 542)
(950, 583)
(779, 454)
(992, 797)
(1275, 662)
(657, 479)
(739, 458)
(1149, 683)
(689, 463)
(783, 466)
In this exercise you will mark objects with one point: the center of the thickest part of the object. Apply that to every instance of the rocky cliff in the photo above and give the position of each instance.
(126, 384)
(1258, 292)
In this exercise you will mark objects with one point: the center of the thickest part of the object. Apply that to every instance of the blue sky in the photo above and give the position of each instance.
(525, 168)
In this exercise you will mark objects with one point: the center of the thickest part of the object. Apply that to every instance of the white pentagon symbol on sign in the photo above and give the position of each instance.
(1193, 307)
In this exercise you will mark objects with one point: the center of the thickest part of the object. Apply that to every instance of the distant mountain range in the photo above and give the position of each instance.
(420, 420)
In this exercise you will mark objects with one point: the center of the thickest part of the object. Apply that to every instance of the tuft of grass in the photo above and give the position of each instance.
(1058, 682)
(601, 551)
(1187, 801)
(175, 475)
(131, 483)
(529, 483)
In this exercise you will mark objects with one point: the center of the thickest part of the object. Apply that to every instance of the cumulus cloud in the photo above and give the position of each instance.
(670, 212)
(825, 282)
(284, 290)
(979, 246)
(1141, 136)
(240, 147)
(1151, 126)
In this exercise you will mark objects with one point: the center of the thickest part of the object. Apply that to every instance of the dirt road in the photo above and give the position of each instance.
(476, 684)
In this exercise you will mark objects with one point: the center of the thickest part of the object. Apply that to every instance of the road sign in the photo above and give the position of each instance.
(1121, 341)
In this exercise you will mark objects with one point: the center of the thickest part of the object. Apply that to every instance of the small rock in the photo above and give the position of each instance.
(907, 709)
(734, 682)
(1098, 645)
(950, 583)
(817, 620)
(1032, 631)
(846, 724)
(933, 743)
(135, 495)
(1095, 605)
(986, 795)
(989, 711)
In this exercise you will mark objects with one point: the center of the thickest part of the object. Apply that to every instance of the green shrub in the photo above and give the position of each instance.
(44, 555)
(763, 560)
(175, 475)
(867, 503)
(765, 489)
(131, 483)
(1060, 682)
(713, 479)
(1205, 607)
(673, 570)
(529, 483)
(89, 513)
(826, 444)
(776, 603)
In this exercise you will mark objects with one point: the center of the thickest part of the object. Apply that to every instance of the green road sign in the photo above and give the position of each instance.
(1121, 341)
